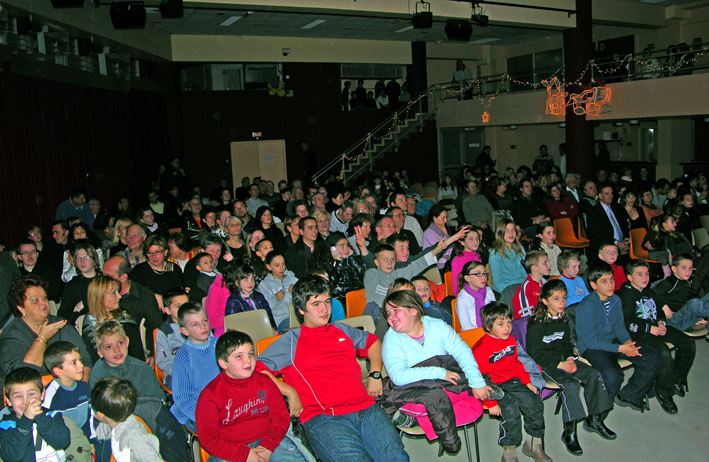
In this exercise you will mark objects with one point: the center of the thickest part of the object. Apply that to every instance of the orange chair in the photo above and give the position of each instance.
(636, 245)
(354, 303)
(195, 447)
(472, 337)
(159, 373)
(582, 230)
(565, 236)
(264, 343)
(456, 321)
(448, 280)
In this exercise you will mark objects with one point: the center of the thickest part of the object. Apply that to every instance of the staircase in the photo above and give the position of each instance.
(385, 137)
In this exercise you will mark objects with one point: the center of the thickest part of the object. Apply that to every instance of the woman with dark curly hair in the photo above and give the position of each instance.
(23, 342)
(345, 270)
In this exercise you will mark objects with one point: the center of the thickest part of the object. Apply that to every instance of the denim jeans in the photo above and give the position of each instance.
(692, 312)
(289, 450)
(364, 436)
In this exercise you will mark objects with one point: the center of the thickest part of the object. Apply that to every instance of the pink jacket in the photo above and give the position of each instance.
(216, 304)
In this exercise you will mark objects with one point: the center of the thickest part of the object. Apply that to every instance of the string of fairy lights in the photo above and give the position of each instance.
(594, 67)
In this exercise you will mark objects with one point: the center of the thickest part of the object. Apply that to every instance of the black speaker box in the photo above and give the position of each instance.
(128, 15)
(422, 20)
(67, 3)
(458, 30)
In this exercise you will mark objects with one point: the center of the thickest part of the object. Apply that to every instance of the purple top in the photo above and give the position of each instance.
(479, 297)
(433, 236)
(458, 264)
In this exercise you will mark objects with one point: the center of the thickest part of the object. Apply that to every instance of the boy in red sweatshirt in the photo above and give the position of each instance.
(496, 355)
(241, 416)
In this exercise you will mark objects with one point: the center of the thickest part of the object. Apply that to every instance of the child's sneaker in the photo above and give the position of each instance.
(403, 420)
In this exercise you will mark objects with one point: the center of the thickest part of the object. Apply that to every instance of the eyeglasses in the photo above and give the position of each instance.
(28, 252)
(158, 252)
(85, 258)
(35, 234)
(480, 275)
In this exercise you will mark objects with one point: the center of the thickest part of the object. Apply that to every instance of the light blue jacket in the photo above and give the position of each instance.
(400, 352)
(506, 271)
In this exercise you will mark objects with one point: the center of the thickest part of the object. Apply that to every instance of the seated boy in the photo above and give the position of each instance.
(609, 254)
(339, 414)
(647, 324)
(28, 433)
(195, 365)
(207, 272)
(114, 400)
(569, 264)
(674, 295)
(537, 265)
(602, 340)
(431, 307)
(69, 394)
(496, 355)
(377, 280)
(168, 338)
(112, 345)
(239, 436)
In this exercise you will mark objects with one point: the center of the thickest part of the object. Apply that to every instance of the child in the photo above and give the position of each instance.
(609, 254)
(241, 415)
(245, 298)
(506, 257)
(377, 280)
(338, 311)
(473, 295)
(194, 364)
(207, 272)
(549, 343)
(27, 433)
(646, 323)
(464, 251)
(527, 294)
(261, 249)
(114, 400)
(168, 338)
(69, 394)
(432, 308)
(570, 265)
(277, 287)
(674, 295)
(602, 340)
(112, 348)
(496, 355)
(546, 235)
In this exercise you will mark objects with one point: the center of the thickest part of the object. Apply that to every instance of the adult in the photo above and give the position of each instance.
(345, 270)
(263, 220)
(219, 227)
(94, 210)
(660, 190)
(123, 208)
(500, 199)
(322, 218)
(571, 188)
(75, 206)
(192, 222)
(54, 251)
(242, 192)
(477, 210)
(588, 200)
(298, 255)
(463, 78)
(136, 300)
(437, 231)
(484, 159)
(650, 209)
(28, 256)
(235, 242)
(399, 199)
(181, 249)
(34, 233)
(157, 274)
(146, 217)
(8, 274)
(224, 201)
(607, 223)
(104, 297)
(318, 202)
(398, 216)
(173, 176)
(383, 228)
(254, 202)
(634, 214)
(543, 163)
(280, 207)
(291, 224)
(154, 203)
(561, 206)
(360, 224)
(135, 237)
(393, 91)
(241, 211)
(79, 232)
(74, 297)
(339, 415)
(527, 210)
(119, 242)
(23, 341)
(340, 217)
(447, 190)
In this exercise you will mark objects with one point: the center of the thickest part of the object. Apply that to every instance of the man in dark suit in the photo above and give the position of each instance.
(571, 189)
(607, 223)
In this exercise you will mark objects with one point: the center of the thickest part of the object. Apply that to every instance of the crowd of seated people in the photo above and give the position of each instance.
(183, 263)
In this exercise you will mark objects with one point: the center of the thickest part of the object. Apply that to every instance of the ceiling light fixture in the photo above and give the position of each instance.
(230, 20)
(317, 22)
(422, 18)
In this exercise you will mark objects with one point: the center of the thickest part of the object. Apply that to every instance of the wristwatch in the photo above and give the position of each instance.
(375, 375)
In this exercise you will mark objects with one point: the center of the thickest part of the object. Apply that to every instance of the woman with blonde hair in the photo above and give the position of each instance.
(119, 236)
(74, 302)
(103, 297)
(506, 257)
(322, 219)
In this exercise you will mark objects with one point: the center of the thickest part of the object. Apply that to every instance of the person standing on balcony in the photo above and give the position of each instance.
(463, 77)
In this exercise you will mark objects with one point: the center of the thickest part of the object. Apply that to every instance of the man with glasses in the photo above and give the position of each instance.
(399, 217)
(27, 257)
(135, 236)
(477, 210)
